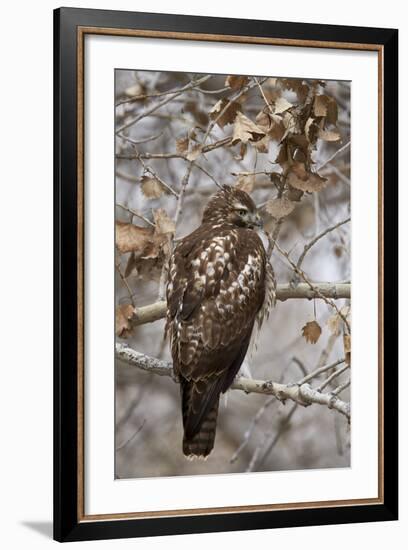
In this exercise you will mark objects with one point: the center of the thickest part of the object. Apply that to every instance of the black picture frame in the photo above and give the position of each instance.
(68, 525)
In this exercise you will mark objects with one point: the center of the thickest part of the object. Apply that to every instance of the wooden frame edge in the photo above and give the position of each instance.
(81, 32)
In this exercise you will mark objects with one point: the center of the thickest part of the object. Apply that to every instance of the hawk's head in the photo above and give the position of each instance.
(232, 205)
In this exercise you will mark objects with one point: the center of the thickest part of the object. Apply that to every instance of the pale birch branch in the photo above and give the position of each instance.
(302, 394)
(156, 311)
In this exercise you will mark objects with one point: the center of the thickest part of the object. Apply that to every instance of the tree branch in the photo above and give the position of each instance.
(311, 243)
(312, 286)
(303, 395)
(156, 311)
(156, 106)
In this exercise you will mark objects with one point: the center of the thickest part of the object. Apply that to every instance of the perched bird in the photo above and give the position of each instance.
(220, 284)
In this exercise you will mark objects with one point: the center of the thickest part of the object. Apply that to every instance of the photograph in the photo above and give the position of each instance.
(232, 273)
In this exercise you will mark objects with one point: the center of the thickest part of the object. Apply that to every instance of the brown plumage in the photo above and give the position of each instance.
(220, 283)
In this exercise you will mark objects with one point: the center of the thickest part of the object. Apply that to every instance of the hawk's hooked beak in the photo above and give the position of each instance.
(256, 220)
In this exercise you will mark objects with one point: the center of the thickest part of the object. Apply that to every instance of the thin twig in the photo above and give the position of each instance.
(174, 155)
(334, 155)
(332, 377)
(211, 125)
(261, 412)
(126, 284)
(180, 200)
(139, 141)
(342, 387)
(196, 165)
(320, 371)
(312, 287)
(172, 96)
(283, 426)
(150, 170)
(251, 427)
(142, 97)
(135, 213)
(132, 437)
(311, 243)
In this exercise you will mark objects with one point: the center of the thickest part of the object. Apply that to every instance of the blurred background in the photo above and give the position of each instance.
(170, 123)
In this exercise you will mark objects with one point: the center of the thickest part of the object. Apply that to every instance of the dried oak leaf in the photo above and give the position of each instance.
(194, 153)
(271, 125)
(325, 106)
(242, 152)
(132, 238)
(334, 322)
(311, 130)
(262, 146)
(301, 179)
(123, 320)
(245, 130)
(311, 332)
(281, 105)
(228, 116)
(279, 208)
(329, 135)
(236, 81)
(246, 182)
(182, 145)
(347, 347)
(296, 85)
(151, 187)
(163, 223)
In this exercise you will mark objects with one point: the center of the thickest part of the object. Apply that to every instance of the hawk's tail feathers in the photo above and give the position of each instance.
(200, 409)
(201, 443)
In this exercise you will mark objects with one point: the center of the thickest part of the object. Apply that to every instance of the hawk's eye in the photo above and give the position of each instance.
(242, 212)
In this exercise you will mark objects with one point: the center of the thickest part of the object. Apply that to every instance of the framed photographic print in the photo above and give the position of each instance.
(225, 274)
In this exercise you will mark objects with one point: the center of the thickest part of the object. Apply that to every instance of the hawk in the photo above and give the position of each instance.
(220, 284)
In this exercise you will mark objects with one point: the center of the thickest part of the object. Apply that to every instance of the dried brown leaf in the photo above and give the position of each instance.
(236, 81)
(282, 156)
(333, 324)
(335, 321)
(271, 125)
(329, 135)
(294, 194)
(163, 223)
(245, 130)
(309, 127)
(123, 317)
(182, 145)
(279, 208)
(242, 152)
(325, 106)
(347, 347)
(132, 238)
(296, 85)
(281, 105)
(194, 153)
(151, 187)
(228, 116)
(262, 146)
(301, 179)
(311, 332)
